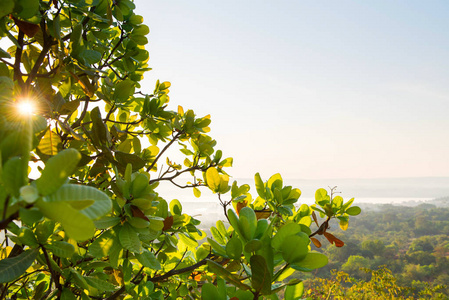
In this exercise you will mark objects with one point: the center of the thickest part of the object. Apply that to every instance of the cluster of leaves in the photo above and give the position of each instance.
(93, 224)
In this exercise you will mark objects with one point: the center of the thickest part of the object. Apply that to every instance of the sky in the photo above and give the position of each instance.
(310, 89)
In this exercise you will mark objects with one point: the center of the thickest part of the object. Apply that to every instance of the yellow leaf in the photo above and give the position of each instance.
(213, 179)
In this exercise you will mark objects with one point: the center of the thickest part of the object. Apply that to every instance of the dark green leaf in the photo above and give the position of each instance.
(234, 247)
(13, 267)
(261, 279)
(61, 249)
(225, 274)
(147, 259)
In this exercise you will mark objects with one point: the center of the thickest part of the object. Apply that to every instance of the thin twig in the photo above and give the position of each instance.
(163, 150)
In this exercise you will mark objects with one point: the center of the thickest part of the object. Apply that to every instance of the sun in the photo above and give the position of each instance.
(26, 107)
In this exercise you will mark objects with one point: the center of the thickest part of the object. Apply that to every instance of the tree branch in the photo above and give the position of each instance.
(46, 47)
(178, 134)
(18, 59)
(181, 271)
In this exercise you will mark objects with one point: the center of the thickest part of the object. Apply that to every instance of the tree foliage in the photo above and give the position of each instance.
(93, 224)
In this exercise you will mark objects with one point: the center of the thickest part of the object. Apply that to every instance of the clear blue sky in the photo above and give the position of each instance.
(311, 89)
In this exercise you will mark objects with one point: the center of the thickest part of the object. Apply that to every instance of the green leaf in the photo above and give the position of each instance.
(28, 8)
(139, 185)
(61, 249)
(99, 128)
(353, 211)
(321, 197)
(5, 9)
(3, 53)
(147, 259)
(222, 229)
(347, 204)
(210, 292)
(260, 187)
(13, 267)
(217, 247)
(234, 221)
(253, 246)
(106, 222)
(126, 158)
(213, 179)
(44, 229)
(196, 192)
(144, 30)
(248, 222)
(77, 225)
(27, 237)
(244, 295)
(187, 241)
(56, 171)
(295, 248)
(99, 284)
(217, 235)
(129, 239)
(175, 207)
(275, 181)
(261, 279)
(312, 261)
(234, 247)
(30, 216)
(337, 202)
(137, 146)
(78, 279)
(13, 175)
(50, 143)
(98, 203)
(294, 292)
(67, 294)
(225, 274)
(91, 56)
(103, 244)
(262, 225)
(283, 234)
(123, 90)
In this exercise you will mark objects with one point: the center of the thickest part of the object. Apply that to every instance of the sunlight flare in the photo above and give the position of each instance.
(26, 107)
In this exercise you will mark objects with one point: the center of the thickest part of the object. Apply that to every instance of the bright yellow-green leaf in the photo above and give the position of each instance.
(294, 292)
(196, 192)
(77, 225)
(213, 179)
(57, 170)
(50, 143)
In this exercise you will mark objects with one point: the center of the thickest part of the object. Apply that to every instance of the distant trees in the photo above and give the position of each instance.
(417, 260)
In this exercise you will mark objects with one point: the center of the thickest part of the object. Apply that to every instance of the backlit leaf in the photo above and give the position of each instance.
(99, 202)
(50, 143)
(77, 225)
(56, 171)
(294, 292)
